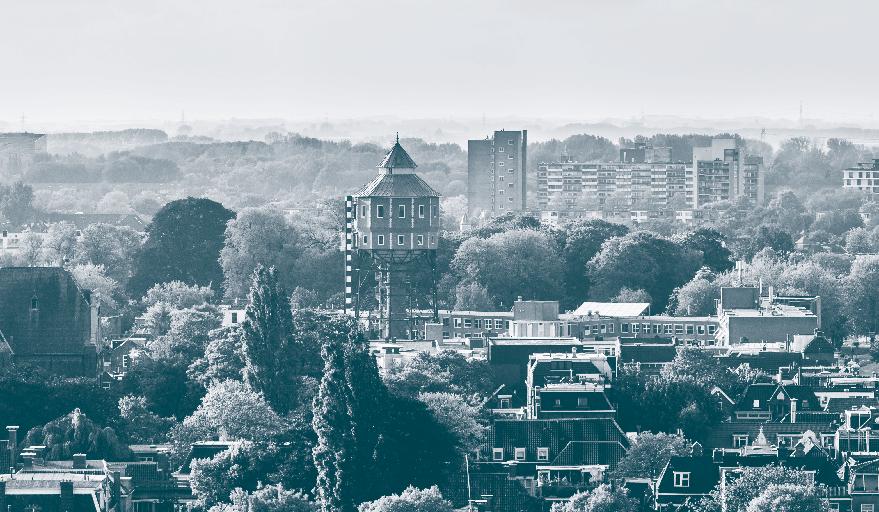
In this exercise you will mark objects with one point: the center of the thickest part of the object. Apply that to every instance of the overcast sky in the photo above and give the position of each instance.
(68, 60)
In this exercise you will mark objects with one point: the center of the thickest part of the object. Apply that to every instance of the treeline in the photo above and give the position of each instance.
(115, 167)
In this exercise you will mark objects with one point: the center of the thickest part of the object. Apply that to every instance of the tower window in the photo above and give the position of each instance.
(380, 211)
(35, 303)
(401, 211)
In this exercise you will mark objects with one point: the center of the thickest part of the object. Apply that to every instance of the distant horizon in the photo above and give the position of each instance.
(126, 60)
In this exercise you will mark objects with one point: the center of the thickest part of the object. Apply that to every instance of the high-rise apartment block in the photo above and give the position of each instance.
(863, 177)
(496, 173)
(646, 180)
(721, 172)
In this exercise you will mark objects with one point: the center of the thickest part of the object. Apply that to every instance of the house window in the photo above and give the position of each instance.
(420, 211)
(510, 142)
(457, 322)
(401, 239)
(679, 329)
(364, 211)
(543, 454)
(234, 317)
(636, 328)
(558, 403)
(498, 324)
(582, 402)
(380, 211)
(35, 303)
(740, 440)
(690, 329)
(500, 149)
(668, 329)
(420, 239)
(701, 329)
(497, 454)
(504, 403)
(624, 328)
(365, 239)
(380, 239)
(520, 454)
(126, 360)
(711, 329)
(401, 211)
(681, 479)
(433, 211)
(610, 328)
(756, 404)
(867, 507)
(468, 322)
(105, 385)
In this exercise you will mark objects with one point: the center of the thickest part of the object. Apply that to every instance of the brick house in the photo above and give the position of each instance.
(49, 321)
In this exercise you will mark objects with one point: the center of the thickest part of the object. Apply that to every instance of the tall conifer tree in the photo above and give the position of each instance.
(266, 340)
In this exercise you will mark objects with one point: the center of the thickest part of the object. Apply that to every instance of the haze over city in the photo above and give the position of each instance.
(76, 65)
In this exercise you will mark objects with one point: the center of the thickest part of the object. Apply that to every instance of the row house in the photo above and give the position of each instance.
(568, 386)
(551, 459)
(686, 480)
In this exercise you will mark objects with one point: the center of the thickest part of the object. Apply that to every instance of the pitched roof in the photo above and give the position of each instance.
(581, 453)
(397, 185)
(721, 435)
(397, 158)
(704, 475)
(871, 466)
(839, 405)
(557, 434)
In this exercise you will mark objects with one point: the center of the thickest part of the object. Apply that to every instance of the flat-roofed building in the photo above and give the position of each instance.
(496, 171)
(863, 177)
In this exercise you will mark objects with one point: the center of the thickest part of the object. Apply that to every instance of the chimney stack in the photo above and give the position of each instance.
(66, 496)
(79, 461)
(116, 489)
(13, 445)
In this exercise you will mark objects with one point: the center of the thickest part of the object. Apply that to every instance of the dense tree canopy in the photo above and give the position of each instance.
(510, 264)
(183, 243)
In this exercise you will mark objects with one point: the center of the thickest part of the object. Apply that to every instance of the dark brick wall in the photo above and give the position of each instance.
(54, 334)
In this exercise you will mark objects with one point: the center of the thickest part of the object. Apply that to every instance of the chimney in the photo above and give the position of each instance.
(116, 489)
(66, 504)
(793, 410)
(13, 445)
(79, 461)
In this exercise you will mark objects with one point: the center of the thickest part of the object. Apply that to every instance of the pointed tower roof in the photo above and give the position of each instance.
(397, 158)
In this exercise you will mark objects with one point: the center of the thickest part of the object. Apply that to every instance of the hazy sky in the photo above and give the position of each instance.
(68, 60)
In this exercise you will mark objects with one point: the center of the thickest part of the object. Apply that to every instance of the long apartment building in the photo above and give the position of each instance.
(496, 173)
(645, 179)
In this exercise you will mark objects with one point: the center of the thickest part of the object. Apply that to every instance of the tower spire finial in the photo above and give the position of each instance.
(398, 137)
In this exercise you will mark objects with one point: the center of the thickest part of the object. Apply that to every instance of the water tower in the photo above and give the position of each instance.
(392, 231)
